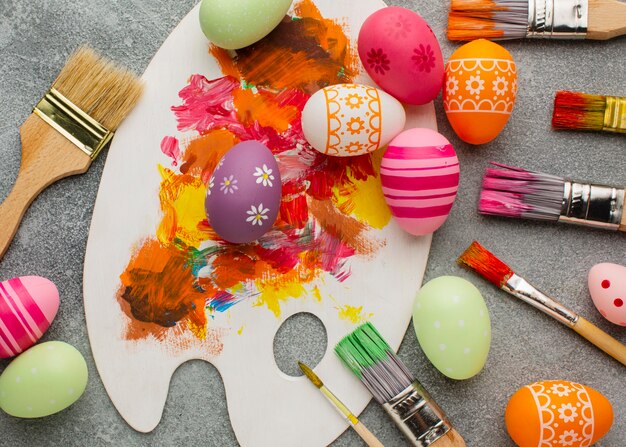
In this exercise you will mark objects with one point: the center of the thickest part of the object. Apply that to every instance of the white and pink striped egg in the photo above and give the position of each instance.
(420, 179)
(27, 307)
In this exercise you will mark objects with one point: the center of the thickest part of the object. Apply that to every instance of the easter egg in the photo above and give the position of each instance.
(236, 24)
(420, 177)
(351, 119)
(43, 380)
(452, 325)
(607, 286)
(27, 307)
(479, 90)
(401, 54)
(557, 413)
(244, 192)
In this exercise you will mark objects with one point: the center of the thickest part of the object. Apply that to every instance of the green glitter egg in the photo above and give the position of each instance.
(234, 24)
(43, 380)
(452, 325)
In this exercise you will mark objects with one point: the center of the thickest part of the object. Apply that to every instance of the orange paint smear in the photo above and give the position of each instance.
(262, 108)
(344, 227)
(159, 290)
(203, 153)
(306, 53)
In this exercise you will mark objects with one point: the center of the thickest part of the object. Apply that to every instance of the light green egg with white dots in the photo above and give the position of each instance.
(43, 380)
(234, 24)
(452, 325)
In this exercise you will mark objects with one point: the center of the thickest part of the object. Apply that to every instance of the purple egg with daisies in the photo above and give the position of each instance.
(244, 193)
(420, 178)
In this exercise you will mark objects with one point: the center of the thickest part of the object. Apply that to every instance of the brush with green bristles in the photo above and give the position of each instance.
(417, 415)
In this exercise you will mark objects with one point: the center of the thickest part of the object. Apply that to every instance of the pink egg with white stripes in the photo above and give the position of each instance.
(28, 305)
(420, 178)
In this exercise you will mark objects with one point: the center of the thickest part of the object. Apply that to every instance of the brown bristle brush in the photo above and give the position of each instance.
(67, 130)
(543, 19)
(580, 111)
(486, 264)
(515, 192)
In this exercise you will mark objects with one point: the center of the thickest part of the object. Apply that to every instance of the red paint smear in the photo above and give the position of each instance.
(295, 212)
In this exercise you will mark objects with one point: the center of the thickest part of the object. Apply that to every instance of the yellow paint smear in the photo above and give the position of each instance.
(182, 201)
(353, 314)
(364, 199)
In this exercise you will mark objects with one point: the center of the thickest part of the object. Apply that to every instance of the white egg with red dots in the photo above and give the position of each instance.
(607, 286)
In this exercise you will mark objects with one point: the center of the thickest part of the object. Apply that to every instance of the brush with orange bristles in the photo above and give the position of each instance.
(486, 264)
(67, 130)
(544, 19)
(580, 111)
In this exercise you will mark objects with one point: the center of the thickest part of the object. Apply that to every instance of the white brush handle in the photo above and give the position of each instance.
(367, 436)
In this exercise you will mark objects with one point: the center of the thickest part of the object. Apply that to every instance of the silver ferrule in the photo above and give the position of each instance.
(520, 288)
(419, 418)
(595, 206)
(557, 19)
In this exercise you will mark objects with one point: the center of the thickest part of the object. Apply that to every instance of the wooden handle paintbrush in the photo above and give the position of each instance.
(486, 264)
(542, 19)
(358, 426)
(68, 129)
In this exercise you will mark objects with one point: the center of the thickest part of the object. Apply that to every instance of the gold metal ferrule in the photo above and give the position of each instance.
(73, 123)
(522, 289)
(615, 115)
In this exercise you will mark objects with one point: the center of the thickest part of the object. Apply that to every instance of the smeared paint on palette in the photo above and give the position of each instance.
(185, 273)
(160, 288)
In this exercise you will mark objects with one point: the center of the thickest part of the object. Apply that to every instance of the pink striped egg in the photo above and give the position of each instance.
(420, 178)
(27, 307)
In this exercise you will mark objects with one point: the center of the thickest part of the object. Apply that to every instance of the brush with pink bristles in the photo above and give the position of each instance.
(515, 192)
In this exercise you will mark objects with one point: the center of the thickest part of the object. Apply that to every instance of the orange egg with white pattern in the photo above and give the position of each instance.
(557, 413)
(479, 90)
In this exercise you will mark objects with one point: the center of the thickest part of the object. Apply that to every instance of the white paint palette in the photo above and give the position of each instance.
(266, 407)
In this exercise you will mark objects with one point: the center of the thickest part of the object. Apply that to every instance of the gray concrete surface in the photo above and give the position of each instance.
(36, 36)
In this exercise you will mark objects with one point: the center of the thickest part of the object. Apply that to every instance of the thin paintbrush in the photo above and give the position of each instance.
(67, 130)
(358, 426)
(408, 404)
(515, 192)
(580, 111)
(486, 264)
(543, 19)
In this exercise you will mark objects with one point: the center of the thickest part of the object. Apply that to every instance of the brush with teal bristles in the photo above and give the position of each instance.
(417, 415)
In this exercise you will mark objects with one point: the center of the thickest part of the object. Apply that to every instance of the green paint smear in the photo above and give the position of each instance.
(362, 348)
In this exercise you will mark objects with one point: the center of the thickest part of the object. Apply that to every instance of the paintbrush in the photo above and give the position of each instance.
(516, 192)
(543, 19)
(358, 426)
(580, 111)
(404, 399)
(486, 264)
(67, 130)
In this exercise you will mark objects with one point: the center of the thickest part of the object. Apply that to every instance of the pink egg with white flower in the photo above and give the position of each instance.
(402, 55)
(420, 178)
(244, 193)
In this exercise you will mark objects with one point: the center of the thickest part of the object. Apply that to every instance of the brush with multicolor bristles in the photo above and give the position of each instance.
(419, 418)
(358, 426)
(580, 111)
(486, 264)
(514, 192)
(544, 19)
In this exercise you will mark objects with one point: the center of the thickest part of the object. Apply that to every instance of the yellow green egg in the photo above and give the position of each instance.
(452, 325)
(43, 380)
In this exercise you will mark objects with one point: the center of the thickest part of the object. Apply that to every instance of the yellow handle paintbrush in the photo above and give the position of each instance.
(358, 426)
